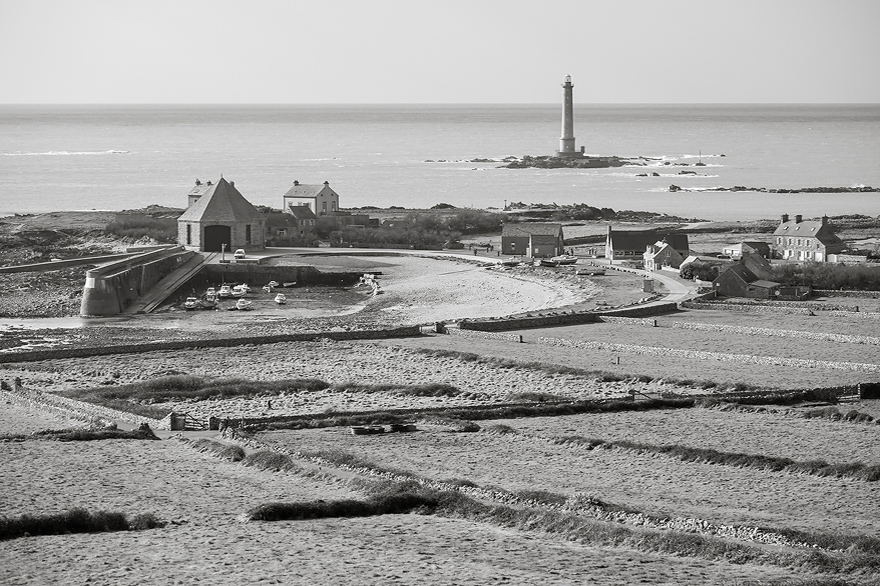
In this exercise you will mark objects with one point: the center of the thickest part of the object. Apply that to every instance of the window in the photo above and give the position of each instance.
(324, 207)
(189, 234)
(282, 232)
(333, 206)
(247, 234)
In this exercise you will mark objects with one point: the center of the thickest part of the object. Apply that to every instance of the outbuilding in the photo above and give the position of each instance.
(538, 240)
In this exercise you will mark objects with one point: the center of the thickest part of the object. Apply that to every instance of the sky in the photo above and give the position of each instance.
(443, 51)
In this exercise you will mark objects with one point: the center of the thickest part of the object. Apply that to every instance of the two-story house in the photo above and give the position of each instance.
(805, 240)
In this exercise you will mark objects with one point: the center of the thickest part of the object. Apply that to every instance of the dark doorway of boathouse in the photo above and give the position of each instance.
(216, 237)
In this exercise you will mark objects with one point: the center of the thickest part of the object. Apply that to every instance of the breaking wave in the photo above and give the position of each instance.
(63, 153)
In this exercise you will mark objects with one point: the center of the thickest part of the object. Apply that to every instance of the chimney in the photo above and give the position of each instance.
(798, 219)
(784, 218)
(326, 183)
(295, 183)
(824, 220)
(232, 184)
(198, 182)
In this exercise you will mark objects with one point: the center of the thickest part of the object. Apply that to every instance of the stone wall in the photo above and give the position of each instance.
(746, 308)
(486, 335)
(857, 294)
(73, 409)
(628, 321)
(861, 314)
(815, 305)
(702, 355)
(752, 331)
(563, 318)
(37, 355)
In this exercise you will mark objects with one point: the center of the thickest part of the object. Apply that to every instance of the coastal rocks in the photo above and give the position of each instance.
(858, 189)
(549, 162)
(673, 188)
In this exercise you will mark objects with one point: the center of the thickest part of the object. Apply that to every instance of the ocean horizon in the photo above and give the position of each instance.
(114, 157)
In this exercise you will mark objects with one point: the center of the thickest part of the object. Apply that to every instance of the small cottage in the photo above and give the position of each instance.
(661, 254)
(631, 244)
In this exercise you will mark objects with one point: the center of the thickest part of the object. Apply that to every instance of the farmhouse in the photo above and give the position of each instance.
(661, 254)
(321, 199)
(629, 244)
(805, 240)
(219, 215)
(533, 239)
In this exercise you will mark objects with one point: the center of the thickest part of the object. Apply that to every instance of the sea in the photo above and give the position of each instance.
(56, 158)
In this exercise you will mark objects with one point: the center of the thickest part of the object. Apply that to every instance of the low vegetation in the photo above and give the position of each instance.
(854, 470)
(230, 452)
(138, 226)
(79, 434)
(822, 275)
(74, 521)
(386, 504)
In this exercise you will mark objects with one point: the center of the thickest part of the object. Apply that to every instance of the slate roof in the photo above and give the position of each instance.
(302, 212)
(301, 190)
(531, 229)
(222, 202)
(808, 229)
(639, 240)
(764, 284)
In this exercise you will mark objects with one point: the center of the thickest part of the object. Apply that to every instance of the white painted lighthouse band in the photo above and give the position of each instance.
(566, 142)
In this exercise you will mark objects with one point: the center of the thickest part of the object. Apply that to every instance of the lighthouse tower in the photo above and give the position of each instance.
(566, 142)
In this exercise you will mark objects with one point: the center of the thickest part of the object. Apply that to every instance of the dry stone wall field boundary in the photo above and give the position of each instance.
(702, 355)
(501, 336)
(861, 314)
(37, 355)
(748, 308)
(78, 410)
(629, 321)
(752, 331)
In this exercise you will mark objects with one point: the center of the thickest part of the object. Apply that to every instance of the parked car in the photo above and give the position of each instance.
(239, 253)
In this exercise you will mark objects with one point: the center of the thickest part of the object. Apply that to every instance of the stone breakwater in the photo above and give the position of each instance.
(747, 308)
(578, 504)
(752, 331)
(703, 355)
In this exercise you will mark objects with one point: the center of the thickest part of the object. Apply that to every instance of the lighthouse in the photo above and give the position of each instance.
(566, 142)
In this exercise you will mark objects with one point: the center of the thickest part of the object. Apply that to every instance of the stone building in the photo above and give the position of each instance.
(533, 239)
(218, 214)
(631, 244)
(661, 254)
(321, 199)
(805, 240)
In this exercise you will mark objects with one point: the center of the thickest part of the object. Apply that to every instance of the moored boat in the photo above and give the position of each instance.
(191, 303)
(281, 299)
(243, 304)
(225, 291)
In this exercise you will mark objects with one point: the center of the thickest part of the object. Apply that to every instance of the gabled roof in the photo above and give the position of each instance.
(531, 229)
(200, 188)
(222, 202)
(280, 220)
(301, 190)
(640, 239)
(301, 212)
(764, 284)
(757, 265)
(807, 229)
